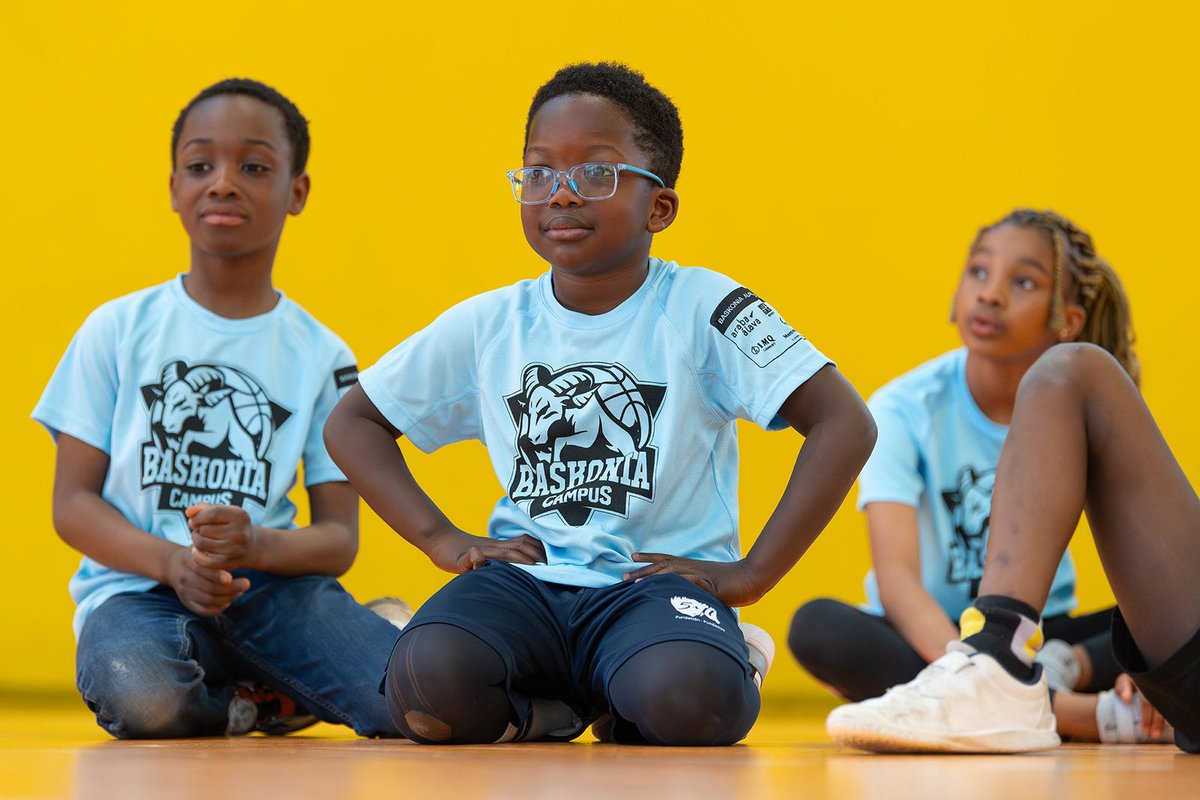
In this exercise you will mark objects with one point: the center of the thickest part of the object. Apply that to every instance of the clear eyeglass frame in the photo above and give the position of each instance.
(517, 178)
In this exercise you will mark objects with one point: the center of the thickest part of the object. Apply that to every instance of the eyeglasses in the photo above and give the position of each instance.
(594, 180)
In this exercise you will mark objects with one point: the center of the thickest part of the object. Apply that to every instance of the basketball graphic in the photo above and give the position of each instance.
(620, 398)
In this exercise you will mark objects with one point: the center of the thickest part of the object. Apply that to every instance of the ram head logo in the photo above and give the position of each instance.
(588, 407)
(220, 409)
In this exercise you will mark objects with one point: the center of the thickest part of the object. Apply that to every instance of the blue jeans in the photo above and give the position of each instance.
(150, 668)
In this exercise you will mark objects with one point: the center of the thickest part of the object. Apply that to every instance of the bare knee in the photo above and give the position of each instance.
(1072, 366)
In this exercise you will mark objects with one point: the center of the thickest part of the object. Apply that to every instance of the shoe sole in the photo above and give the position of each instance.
(882, 738)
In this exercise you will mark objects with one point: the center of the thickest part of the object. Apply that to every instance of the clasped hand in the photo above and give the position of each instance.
(223, 539)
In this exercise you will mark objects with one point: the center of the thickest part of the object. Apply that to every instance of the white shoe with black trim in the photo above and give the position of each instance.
(964, 702)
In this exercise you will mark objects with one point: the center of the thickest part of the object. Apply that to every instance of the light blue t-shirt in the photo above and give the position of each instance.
(937, 452)
(192, 407)
(612, 434)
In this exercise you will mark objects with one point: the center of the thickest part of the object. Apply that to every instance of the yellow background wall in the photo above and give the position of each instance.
(839, 158)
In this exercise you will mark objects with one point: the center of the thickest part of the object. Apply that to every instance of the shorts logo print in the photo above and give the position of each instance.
(694, 608)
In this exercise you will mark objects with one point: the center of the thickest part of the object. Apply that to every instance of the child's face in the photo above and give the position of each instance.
(1002, 306)
(592, 237)
(232, 185)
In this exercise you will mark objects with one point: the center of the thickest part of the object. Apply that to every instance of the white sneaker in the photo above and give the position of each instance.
(761, 649)
(1061, 665)
(393, 609)
(964, 702)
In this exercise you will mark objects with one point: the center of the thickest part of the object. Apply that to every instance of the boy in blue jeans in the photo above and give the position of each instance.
(180, 413)
(606, 392)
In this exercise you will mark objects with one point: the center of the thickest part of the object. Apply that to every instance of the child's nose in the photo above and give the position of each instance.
(222, 184)
(564, 195)
(992, 293)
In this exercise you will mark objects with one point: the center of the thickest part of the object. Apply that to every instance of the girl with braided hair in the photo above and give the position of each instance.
(1032, 280)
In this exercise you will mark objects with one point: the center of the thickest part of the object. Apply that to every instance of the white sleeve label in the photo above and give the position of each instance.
(750, 323)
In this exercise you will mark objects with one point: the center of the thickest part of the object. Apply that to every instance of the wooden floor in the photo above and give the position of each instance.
(52, 749)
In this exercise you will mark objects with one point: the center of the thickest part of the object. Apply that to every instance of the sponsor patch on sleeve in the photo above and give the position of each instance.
(750, 323)
(345, 377)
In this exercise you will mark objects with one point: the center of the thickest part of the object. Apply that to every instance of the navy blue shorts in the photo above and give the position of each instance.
(566, 642)
(1172, 687)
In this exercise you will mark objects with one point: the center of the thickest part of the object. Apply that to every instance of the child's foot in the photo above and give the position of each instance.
(393, 609)
(1062, 668)
(762, 650)
(255, 707)
(964, 702)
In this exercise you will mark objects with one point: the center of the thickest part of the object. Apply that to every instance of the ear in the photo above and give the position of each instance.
(664, 205)
(1074, 316)
(300, 187)
(171, 188)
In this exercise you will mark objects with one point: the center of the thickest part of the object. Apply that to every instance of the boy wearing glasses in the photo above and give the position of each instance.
(607, 392)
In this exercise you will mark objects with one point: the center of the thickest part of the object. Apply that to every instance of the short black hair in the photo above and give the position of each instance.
(657, 128)
(294, 123)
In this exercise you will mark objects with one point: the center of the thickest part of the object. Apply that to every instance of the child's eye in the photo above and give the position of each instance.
(978, 273)
(599, 173)
(1028, 284)
(255, 169)
(536, 176)
(198, 167)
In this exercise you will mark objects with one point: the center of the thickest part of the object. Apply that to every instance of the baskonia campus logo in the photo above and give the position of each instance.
(583, 440)
(970, 507)
(210, 429)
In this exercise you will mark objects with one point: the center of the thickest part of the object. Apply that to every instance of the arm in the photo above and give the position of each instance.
(896, 555)
(839, 434)
(86, 522)
(223, 538)
(363, 444)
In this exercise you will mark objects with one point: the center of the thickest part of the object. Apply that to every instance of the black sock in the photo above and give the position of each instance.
(1005, 629)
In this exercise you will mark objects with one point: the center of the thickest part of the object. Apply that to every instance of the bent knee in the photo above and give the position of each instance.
(149, 713)
(1070, 365)
(698, 718)
(816, 626)
(685, 694)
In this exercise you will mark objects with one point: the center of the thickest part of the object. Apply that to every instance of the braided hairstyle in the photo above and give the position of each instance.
(1108, 322)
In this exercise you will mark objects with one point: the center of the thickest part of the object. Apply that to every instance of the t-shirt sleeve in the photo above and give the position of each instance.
(893, 472)
(427, 386)
(318, 466)
(81, 396)
(753, 358)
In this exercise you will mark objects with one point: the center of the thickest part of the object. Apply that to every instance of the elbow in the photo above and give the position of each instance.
(332, 434)
(63, 517)
(870, 433)
(862, 433)
(340, 564)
